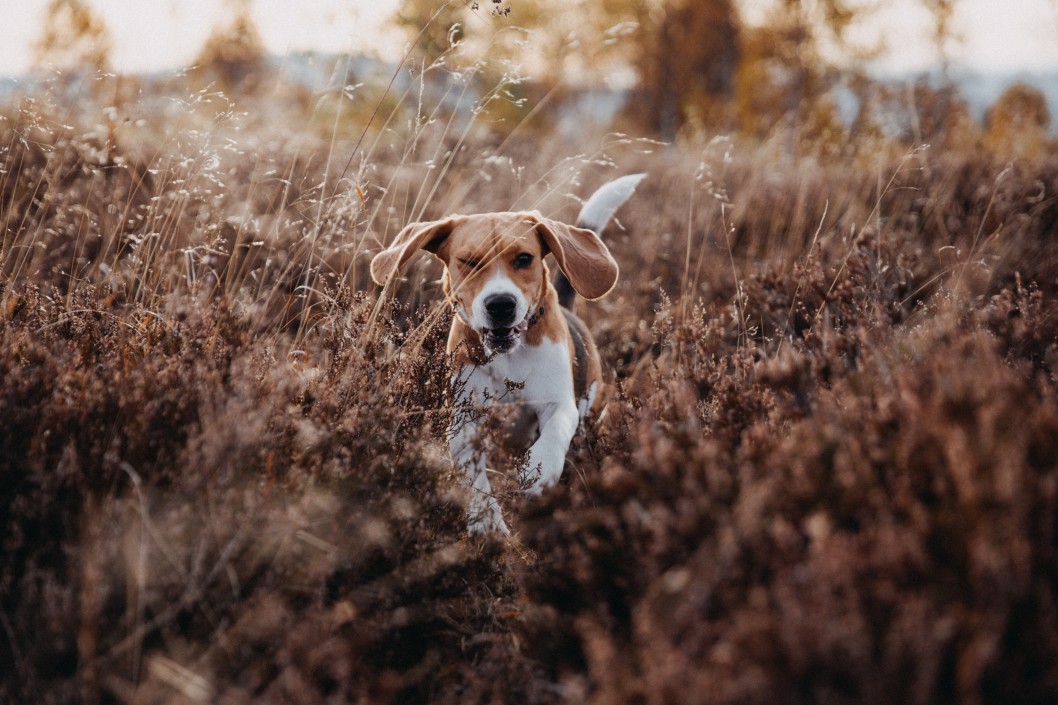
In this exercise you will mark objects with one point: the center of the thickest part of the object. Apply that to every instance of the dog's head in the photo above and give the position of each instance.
(494, 267)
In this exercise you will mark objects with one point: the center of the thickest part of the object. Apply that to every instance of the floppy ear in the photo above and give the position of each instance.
(429, 236)
(581, 256)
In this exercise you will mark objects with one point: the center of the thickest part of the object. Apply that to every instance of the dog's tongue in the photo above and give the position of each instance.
(523, 326)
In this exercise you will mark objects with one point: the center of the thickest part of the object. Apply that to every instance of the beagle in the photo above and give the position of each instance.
(514, 337)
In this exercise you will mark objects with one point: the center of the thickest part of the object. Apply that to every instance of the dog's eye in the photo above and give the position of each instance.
(523, 260)
(470, 263)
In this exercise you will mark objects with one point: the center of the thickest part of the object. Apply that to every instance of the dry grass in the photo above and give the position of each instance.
(828, 474)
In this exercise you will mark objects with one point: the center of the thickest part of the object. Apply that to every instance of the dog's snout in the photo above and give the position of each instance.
(501, 309)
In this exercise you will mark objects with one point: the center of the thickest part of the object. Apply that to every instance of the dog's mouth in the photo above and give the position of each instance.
(502, 340)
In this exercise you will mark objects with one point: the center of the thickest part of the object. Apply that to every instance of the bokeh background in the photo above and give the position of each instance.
(737, 62)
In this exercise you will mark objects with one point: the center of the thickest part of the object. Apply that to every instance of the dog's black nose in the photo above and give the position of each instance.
(501, 308)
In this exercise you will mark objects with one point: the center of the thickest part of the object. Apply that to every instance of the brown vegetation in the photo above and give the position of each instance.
(828, 472)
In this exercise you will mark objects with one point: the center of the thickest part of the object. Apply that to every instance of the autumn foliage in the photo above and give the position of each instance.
(827, 472)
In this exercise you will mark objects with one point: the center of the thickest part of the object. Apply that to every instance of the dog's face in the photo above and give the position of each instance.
(496, 276)
(495, 271)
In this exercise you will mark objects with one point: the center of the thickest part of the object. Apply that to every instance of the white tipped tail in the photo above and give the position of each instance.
(602, 205)
(594, 216)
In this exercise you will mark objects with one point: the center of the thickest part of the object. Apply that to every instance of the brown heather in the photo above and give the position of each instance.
(828, 472)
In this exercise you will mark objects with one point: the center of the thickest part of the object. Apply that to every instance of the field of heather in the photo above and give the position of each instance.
(827, 473)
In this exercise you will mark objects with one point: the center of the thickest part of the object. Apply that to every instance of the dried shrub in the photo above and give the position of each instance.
(826, 472)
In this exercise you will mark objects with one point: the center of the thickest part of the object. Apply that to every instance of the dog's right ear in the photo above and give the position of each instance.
(430, 236)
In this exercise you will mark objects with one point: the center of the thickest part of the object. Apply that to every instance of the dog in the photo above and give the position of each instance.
(514, 336)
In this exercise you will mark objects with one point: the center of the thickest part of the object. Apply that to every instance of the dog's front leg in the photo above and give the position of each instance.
(558, 424)
(484, 513)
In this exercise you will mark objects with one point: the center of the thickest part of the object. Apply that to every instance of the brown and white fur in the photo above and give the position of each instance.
(514, 337)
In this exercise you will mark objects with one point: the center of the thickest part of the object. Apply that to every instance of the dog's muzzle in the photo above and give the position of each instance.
(504, 339)
(503, 332)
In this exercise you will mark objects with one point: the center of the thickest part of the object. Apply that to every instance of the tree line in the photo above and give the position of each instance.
(745, 65)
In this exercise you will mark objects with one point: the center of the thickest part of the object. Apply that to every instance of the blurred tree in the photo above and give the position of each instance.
(434, 27)
(943, 12)
(939, 116)
(234, 53)
(74, 38)
(789, 62)
(683, 52)
(686, 58)
(1017, 124)
(467, 38)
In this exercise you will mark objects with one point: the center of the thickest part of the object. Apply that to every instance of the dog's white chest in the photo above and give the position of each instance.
(540, 380)
(530, 374)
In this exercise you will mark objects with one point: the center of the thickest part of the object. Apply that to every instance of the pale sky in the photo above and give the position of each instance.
(151, 35)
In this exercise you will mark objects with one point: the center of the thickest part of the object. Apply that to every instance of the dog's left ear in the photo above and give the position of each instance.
(581, 256)
(430, 236)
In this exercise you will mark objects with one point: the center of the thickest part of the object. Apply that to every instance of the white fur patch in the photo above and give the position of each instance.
(498, 284)
(541, 378)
